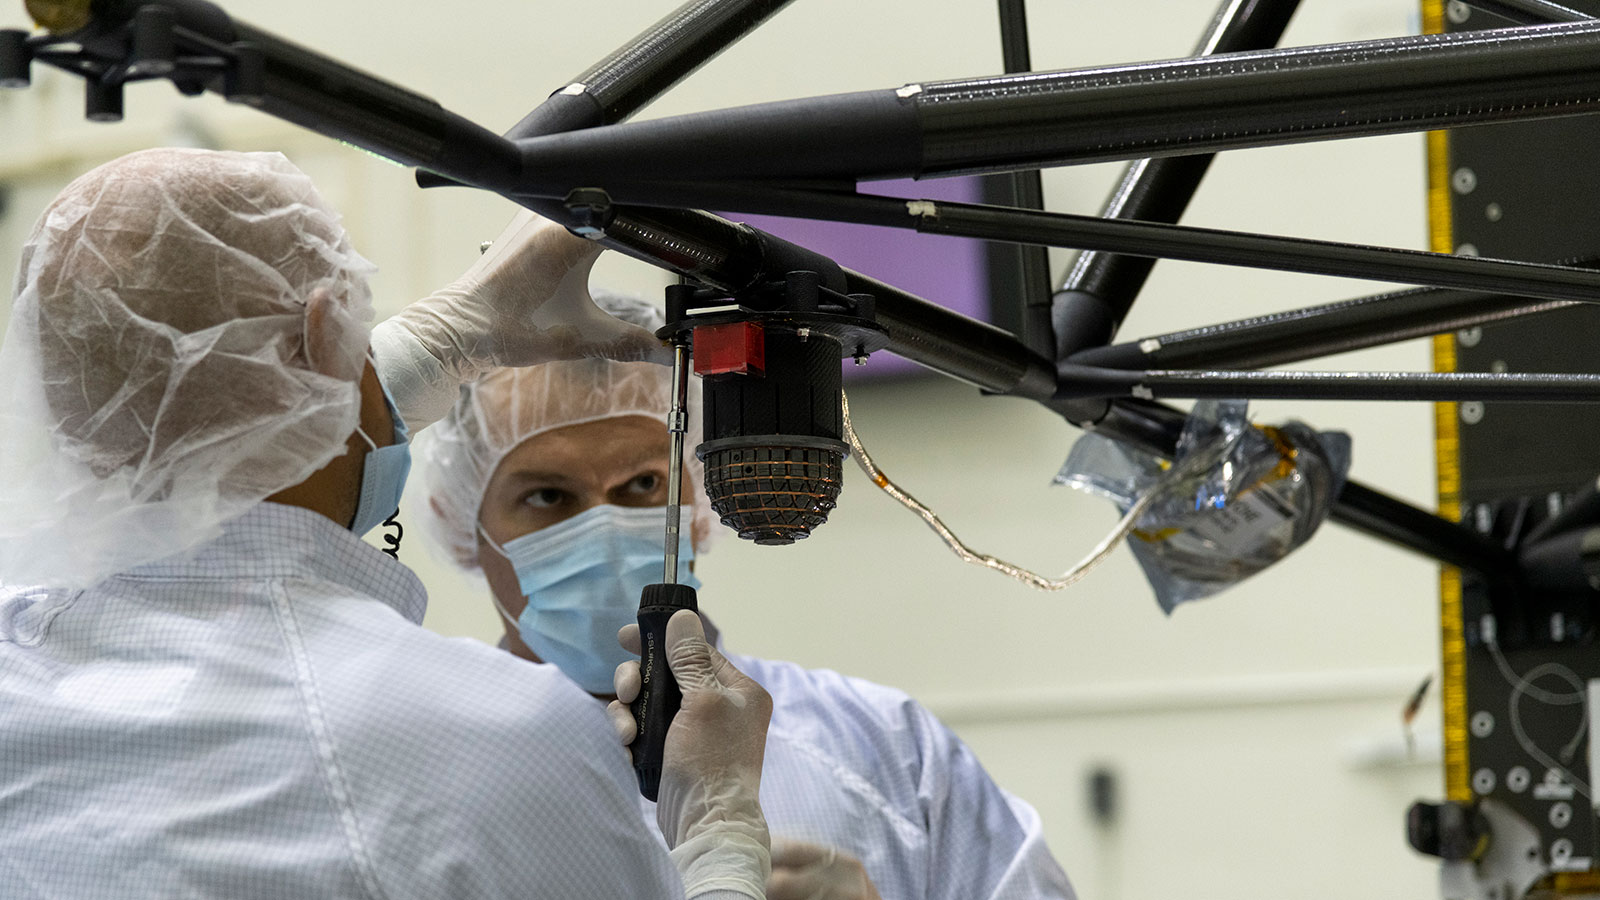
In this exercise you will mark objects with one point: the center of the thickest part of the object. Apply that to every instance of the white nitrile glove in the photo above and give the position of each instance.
(524, 302)
(710, 806)
(802, 871)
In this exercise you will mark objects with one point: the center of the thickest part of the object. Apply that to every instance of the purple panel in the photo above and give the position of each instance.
(952, 272)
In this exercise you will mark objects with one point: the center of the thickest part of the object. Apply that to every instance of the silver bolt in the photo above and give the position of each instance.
(1469, 337)
(1463, 180)
(1499, 367)
(1493, 212)
(861, 359)
(803, 333)
(1472, 412)
(1467, 250)
(1458, 12)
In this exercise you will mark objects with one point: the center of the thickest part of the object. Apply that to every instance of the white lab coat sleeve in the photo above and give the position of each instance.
(983, 842)
(514, 792)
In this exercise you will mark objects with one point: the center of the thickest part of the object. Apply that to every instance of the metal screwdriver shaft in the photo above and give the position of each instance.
(677, 428)
(659, 697)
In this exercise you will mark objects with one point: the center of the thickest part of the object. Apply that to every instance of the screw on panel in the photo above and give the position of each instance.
(1518, 779)
(1467, 250)
(1457, 12)
(1472, 412)
(1493, 212)
(1483, 725)
(1483, 781)
(1470, 337)
(1560, 815)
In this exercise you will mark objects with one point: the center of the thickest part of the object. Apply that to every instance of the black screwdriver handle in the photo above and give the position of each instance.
(659, 697)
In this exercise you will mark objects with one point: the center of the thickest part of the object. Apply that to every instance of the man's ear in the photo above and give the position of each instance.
(326, 335)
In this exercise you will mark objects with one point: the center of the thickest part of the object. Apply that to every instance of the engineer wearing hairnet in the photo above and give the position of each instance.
(551, 480)
(210, 687)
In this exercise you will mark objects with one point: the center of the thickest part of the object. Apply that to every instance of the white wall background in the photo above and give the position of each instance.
(1256, 736)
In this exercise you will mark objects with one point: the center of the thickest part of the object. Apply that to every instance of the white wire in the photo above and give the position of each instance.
(968, 555)
(1525, 683)
(1522, 685)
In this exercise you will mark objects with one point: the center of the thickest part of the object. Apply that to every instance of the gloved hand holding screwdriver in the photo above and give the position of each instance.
(709, 807)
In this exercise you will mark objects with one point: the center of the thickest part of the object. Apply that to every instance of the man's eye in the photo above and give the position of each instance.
(544, 498)
(645, 484)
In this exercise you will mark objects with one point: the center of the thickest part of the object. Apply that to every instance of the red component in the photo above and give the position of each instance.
(738, 348)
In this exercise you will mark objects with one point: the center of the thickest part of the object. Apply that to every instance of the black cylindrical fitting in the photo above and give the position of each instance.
(154, 52)
(102, 100)
(1565, 561)
(312, 90)
(201, 17)
(16, 59)
(774, 441)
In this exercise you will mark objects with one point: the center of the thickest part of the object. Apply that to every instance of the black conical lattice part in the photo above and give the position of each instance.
(773, 494)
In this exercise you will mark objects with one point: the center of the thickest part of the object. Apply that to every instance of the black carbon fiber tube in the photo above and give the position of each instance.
(648, 66)
(1208, 245)
(733, 257)
(1101, 287)
(1316, 331)
(1386, 518)
(948, 342)
(332, 99)
(1003, 123)
(1258, 251)
(1261, 98)
(1530, 12)
(304, 87)
(1389, 386)
(1026, 189)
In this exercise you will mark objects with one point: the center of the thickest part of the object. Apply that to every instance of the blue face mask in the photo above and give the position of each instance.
(383, 474)
(583, 578)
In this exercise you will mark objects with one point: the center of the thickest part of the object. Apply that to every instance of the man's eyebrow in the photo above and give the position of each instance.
(537, 476)
(645, 456)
